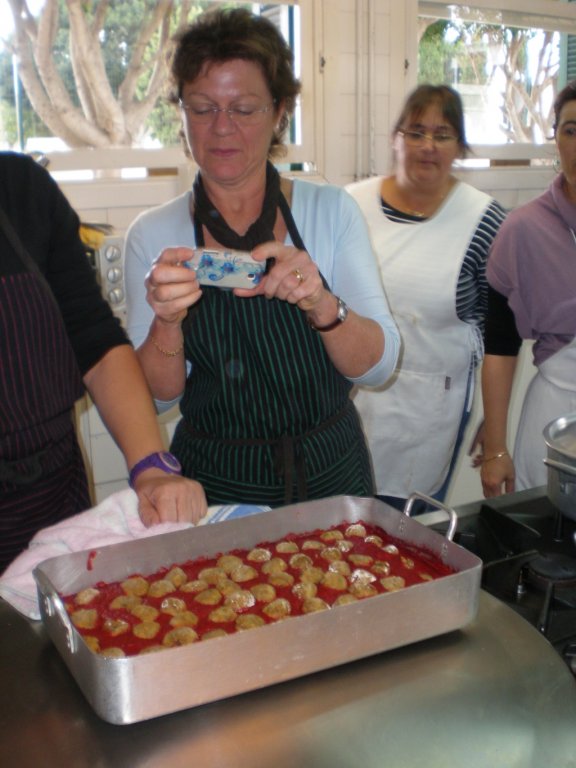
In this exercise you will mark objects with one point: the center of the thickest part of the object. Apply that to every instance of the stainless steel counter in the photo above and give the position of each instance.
(494, 694)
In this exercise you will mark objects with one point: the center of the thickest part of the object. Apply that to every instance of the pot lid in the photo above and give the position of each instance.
(560, 435)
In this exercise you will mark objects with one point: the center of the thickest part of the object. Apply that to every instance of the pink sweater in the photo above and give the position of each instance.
(533, 263)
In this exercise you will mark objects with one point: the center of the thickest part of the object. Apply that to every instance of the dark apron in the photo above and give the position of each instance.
(267, 417)
(42, 475)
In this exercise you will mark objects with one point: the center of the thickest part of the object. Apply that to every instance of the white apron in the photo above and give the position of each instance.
(412, 422)
(551, 394)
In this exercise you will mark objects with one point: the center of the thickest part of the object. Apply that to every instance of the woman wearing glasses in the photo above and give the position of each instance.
(263, 375)
(431, 234)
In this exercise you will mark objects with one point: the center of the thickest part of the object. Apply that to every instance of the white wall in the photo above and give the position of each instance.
(365, 45)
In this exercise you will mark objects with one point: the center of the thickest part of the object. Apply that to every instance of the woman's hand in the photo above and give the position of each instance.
(497, 474)
(172, 288)
(164, 498)
(496, 471)
(295, 278)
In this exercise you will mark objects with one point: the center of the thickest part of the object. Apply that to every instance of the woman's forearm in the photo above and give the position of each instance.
(497, 379)
(119, 390)
(121, 394)
(161, 356)
(355, 346)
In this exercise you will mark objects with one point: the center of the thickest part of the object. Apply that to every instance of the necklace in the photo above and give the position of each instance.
(416, 214)
(398, 193)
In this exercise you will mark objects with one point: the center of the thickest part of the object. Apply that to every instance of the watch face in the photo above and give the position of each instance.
(170, 461)
(342, 310)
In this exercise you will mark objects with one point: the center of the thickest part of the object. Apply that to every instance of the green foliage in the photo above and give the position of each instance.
(515, 68)
(163, 124)
(434, 54)
(118, 37)
(448, 54)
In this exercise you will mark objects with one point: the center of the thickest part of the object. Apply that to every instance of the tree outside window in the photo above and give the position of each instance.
(93, 73)
(507, 76)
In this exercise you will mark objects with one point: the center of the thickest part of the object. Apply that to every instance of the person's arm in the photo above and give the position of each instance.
(117, 386)
(158, 297)
(106, 360)
(355, 345)
(161, 353)
(502, 344)
(335, 233)
(497, 469)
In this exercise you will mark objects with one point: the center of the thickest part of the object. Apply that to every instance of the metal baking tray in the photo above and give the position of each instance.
(136, 688)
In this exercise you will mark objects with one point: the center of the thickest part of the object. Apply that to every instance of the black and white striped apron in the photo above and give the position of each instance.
(42, 475)
(267, 417)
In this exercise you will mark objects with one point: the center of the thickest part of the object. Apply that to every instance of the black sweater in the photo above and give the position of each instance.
(49, 229)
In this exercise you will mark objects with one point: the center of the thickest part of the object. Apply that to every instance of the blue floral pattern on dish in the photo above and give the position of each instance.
(231, 269)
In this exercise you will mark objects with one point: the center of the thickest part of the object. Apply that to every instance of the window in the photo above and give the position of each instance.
(71, 104)
(507, 64)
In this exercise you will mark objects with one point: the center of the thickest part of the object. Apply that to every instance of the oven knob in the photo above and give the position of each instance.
(114, 275)
(112, 253)
(116, 296)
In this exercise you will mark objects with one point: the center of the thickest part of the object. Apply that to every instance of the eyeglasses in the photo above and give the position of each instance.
(202, 114)
(418, 138)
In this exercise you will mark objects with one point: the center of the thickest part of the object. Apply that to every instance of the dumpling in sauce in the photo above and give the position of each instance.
(160, 588)
(180, 636)
(277, 609)
(135, 585)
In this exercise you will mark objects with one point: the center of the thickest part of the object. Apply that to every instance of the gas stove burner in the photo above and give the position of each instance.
(528, 551)
(547, 570)
(554, 567)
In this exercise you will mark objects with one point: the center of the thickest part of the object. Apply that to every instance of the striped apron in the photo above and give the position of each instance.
(42, 475)
(267, 417)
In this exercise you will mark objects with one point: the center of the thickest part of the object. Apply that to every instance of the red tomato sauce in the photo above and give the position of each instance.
(413, 566)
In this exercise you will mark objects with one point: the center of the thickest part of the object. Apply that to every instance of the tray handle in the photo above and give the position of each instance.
(53, 606)
(437, 505)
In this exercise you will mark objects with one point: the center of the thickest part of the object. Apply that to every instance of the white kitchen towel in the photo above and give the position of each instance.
(112, 521)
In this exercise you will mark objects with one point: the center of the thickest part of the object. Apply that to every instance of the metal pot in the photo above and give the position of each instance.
(560, 438)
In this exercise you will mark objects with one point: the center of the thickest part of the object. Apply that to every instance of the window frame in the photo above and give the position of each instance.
(544, 14)
(304, 154)
(555, 15)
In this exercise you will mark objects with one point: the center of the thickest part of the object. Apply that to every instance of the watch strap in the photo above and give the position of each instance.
(162, 460)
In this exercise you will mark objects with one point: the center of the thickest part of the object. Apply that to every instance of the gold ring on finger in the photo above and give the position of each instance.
(298, 275)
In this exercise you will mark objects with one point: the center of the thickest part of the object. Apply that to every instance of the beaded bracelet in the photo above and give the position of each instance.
(496, 456)
(167, 352)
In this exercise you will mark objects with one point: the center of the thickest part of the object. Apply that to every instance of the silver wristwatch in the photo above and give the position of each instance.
(341, 315)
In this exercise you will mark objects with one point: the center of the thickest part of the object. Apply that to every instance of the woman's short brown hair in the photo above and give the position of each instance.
(235, 33)
(449, 103)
